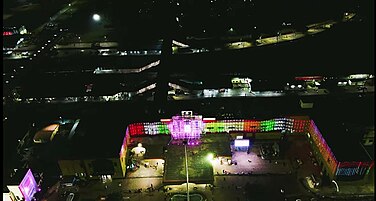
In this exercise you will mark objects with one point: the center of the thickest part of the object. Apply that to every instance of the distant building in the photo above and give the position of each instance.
(369, 137)
(305, 103)
(9, 31)
(241, 83)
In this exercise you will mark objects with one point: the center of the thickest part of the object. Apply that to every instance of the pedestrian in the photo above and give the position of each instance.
(224, 178)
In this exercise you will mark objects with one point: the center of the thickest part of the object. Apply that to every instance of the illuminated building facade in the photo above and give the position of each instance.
(186, 126)
(25, 190)
(241, 83)
(335, 168)
(8, 31)
(191, 127)
(179, 125)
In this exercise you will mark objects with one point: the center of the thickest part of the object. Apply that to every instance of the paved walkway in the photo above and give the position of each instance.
(87, 45)
(252, 164)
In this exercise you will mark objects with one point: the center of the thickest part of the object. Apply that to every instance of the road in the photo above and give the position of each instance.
(214, 93)
(245, 42)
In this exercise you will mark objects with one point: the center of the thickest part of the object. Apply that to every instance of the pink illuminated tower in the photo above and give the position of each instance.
(186, 127)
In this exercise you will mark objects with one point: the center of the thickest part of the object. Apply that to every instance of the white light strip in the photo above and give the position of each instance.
(134, 70)
(152, 86)
(209, 119)
(179, 43)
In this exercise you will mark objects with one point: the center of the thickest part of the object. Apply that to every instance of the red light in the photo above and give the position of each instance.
(7, 33)
(308, 78)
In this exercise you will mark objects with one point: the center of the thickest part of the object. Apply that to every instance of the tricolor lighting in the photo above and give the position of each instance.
(190, 127)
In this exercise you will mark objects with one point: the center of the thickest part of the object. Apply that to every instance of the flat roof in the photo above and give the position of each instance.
(92, 140)
(344, 143)
(16, 178)
(44, 135)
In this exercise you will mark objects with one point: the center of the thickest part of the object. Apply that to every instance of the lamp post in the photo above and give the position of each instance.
(186, 167)
(278, 35)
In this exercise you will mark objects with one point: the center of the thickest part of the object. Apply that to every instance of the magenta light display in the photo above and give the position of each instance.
(211, 125)
(186, 127)
(28, 186)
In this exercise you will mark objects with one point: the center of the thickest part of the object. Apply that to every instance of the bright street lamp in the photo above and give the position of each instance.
(96, 17)
(210, 157)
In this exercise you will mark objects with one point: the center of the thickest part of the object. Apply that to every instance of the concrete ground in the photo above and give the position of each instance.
(251, 163)
(265, 182)
(148, 169)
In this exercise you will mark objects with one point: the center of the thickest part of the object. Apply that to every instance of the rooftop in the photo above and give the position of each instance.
(343, 142)
(46, 134)
(93, 138)
(16, 178)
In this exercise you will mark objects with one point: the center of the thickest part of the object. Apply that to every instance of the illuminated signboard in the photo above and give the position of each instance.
(242, 143)
(28, 186)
